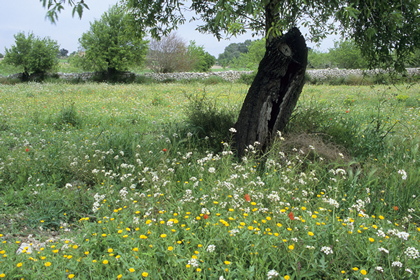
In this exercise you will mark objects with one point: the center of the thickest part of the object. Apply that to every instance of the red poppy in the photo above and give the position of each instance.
(205, 216)
(164, 150)
(27, 150)
(395, 208)
(291, 216)
(247, 197)
(347, 111)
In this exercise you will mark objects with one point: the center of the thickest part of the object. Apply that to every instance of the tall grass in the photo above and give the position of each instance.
(106, 181)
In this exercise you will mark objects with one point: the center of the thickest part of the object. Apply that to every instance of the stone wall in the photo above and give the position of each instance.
(319, 74)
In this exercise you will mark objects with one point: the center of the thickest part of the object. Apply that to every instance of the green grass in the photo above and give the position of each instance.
(122, 181)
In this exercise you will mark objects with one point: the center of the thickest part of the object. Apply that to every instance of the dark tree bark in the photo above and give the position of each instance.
(274, 92)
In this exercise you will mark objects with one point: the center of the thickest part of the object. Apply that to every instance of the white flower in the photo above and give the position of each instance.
(403, 174)
(412, 253)
(409, 270)
(379, 268)
(232, 130)
(222, 278)
(272, 273)
(193, 262)
(327, 250)
(212, 170)
(211, 248)
(399, 264)
(383, 250)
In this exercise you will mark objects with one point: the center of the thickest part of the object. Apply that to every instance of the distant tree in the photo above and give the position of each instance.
(1, 55)
(318, 59)
(33, 54)
(111, 45)
(63, 52)
(203, 61)
(169, 54)
(252, 58)
(346, 54)
(232, 52)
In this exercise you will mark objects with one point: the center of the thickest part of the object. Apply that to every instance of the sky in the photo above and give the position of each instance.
(29, 16)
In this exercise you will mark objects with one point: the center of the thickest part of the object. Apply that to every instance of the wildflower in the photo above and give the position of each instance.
(412, 253)
(227, 262)
(164, 150)
(327, 250)
(105, 261)
(383, 250)
(47, 264)
(272, 273)
(232, 130)
(397, 263)
(19, 265)
(145, 274)
(310, 233)
(409, 270)
(212, 170)
(247, 197)
(71, 276)
(403, 174)
(291, 216)
(363, 272)
(131, 269)
(371, 239)
(211, 248)
(379, 268)
(193, 262)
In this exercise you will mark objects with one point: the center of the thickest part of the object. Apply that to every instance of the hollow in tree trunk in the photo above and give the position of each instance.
(274, 92)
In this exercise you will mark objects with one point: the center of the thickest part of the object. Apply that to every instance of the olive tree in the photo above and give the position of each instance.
(33, 54)
(387, 32)
(111, 45)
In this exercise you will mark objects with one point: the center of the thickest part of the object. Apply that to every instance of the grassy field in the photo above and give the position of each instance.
(102, 181)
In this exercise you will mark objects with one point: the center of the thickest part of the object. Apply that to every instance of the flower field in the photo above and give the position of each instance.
(102, 181)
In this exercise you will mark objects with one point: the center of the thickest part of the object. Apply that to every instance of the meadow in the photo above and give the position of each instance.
(102, 181)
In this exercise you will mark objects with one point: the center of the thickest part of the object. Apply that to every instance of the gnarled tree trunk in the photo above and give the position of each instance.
(274, 92)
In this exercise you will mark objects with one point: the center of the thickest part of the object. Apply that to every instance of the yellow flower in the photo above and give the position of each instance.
(110, 250)
(47, 264)
(119, 276)
(286, 277)
(227, 262)
(145, 274)
(136, 249)
(355, 268)
(291, 247)
(381, 217)
(371, 239)
(19, 264)
(163, 235)
(198, 269)
(2, 275)
(364, 272)
(170, 248)
(310, 233)
(131, 270)
(105, 261)
(143, 236)
(71, 276)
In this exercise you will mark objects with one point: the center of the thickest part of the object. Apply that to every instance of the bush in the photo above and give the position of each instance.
(209, 121)
(247, 78)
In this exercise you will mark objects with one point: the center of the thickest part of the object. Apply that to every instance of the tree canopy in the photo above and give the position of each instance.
(387, 31)
(33, 54)
(110, 45)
